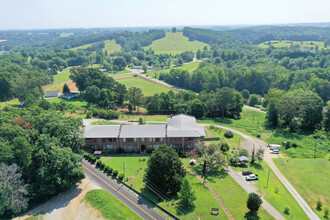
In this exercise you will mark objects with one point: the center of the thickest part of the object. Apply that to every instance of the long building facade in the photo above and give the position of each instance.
(180, 132)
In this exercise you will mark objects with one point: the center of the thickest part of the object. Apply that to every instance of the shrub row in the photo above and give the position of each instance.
(103, 167)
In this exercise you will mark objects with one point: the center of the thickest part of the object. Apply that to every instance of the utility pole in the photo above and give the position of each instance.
(268, 177)
(239, 140)
(124, 168)
(253, 115)
(315, 149)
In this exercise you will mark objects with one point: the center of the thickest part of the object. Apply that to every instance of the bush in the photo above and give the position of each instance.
(98, 163)
(224, 147)
(319, 205)
(326, 212)
(182, 153)
(115, 173)
(110, 170)
(121, 176)
(93, 159)
(149, 151)
(229, 134)
(234, 160)
(287, 210)
(102, 165)
(120, 150)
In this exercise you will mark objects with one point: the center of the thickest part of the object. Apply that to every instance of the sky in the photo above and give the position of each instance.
(49, 14)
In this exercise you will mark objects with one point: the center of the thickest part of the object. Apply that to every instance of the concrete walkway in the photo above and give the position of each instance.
(215, 195)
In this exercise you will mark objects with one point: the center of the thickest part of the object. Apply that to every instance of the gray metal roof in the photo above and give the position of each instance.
(52, 93)
(143, 131)
(102, 131)
(183, 126)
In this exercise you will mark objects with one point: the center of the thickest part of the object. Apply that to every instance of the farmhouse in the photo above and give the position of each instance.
(181, 132)
(52, 94)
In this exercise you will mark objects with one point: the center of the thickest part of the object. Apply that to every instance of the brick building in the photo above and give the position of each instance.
(180, 131)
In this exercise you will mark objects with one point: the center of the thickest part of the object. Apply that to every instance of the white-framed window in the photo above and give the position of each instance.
(124, 139)
(150, 139)
(142, 139)
(155, 146)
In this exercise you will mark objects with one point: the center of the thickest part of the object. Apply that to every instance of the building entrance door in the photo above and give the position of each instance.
(143, 148)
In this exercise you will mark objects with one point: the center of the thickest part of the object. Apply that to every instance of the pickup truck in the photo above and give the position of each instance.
(275, 151)
(252, 177)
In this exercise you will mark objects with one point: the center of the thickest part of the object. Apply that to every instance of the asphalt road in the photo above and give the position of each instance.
(133, 202)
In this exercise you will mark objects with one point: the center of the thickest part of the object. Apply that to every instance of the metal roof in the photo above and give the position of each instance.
(52, 93)
(102, 131)
(143, 131)
(183, 126)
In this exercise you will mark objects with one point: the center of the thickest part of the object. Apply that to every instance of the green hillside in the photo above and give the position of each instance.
(288, 43)
(110, 46)
(175, 43)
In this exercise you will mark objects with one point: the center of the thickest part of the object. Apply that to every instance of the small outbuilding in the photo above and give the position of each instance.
(243, 159)
(98, 154)
(52, 94)
(275, 147)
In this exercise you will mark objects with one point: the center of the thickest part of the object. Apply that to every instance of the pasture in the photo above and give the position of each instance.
(186, 66)
(109, 206)
(175, 43)
(111, 46)
(148, 88)
(66, 34)
(310, 178)
(288, 43)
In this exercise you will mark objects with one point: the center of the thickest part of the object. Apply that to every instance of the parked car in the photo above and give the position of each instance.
(263, 109)
(246, 172)
(275, 151)
(252, 177)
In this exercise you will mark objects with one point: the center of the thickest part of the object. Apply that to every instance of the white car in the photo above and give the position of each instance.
(252, 177)
(275, 151)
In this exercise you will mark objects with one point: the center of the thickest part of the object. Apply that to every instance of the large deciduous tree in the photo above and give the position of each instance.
(13, 193)
(211, 156)
(164, 171)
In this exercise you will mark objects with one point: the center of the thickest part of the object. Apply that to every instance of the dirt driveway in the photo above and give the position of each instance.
(69, 205)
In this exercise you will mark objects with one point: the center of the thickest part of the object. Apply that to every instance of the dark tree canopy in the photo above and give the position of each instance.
(165, 170)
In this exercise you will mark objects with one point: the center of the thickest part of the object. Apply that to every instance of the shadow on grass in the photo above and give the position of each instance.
(256, 166)
(251, 216)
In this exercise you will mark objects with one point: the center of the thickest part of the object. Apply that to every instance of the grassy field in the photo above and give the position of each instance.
(105, 123)
(66, 34)
(13, 102)
(148, 88)
(61, 77)
(288, 43)
(81, 47)
(234, 142)
(111, 46)
(187, 66)
(109, 206)
(59, 87)
(229, 191)
(310, 178)
(119, 72)
(135, 166)
(175, 43)
(276, 193)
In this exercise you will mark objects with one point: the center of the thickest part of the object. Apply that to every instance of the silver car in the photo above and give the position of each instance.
(252, 177)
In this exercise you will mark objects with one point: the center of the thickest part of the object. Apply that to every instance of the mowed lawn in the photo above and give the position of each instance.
(135, 166)
(310, 178)
(175, 43)
(288, 43)
(275, 193)
(59, 87)
(148, 88)
(63, 76)
(186, 66)
(233, 143)
(110, 206)
(111, 46)
(232, 194)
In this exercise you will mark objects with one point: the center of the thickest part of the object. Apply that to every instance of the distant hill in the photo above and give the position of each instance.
(175, 43)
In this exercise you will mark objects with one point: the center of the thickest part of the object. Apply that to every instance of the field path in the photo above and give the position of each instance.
(215, 195)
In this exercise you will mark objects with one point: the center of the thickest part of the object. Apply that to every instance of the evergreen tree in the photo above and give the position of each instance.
(327, 118)
(253, 202)
(198, 54)
(65, 88)
(186, 195)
